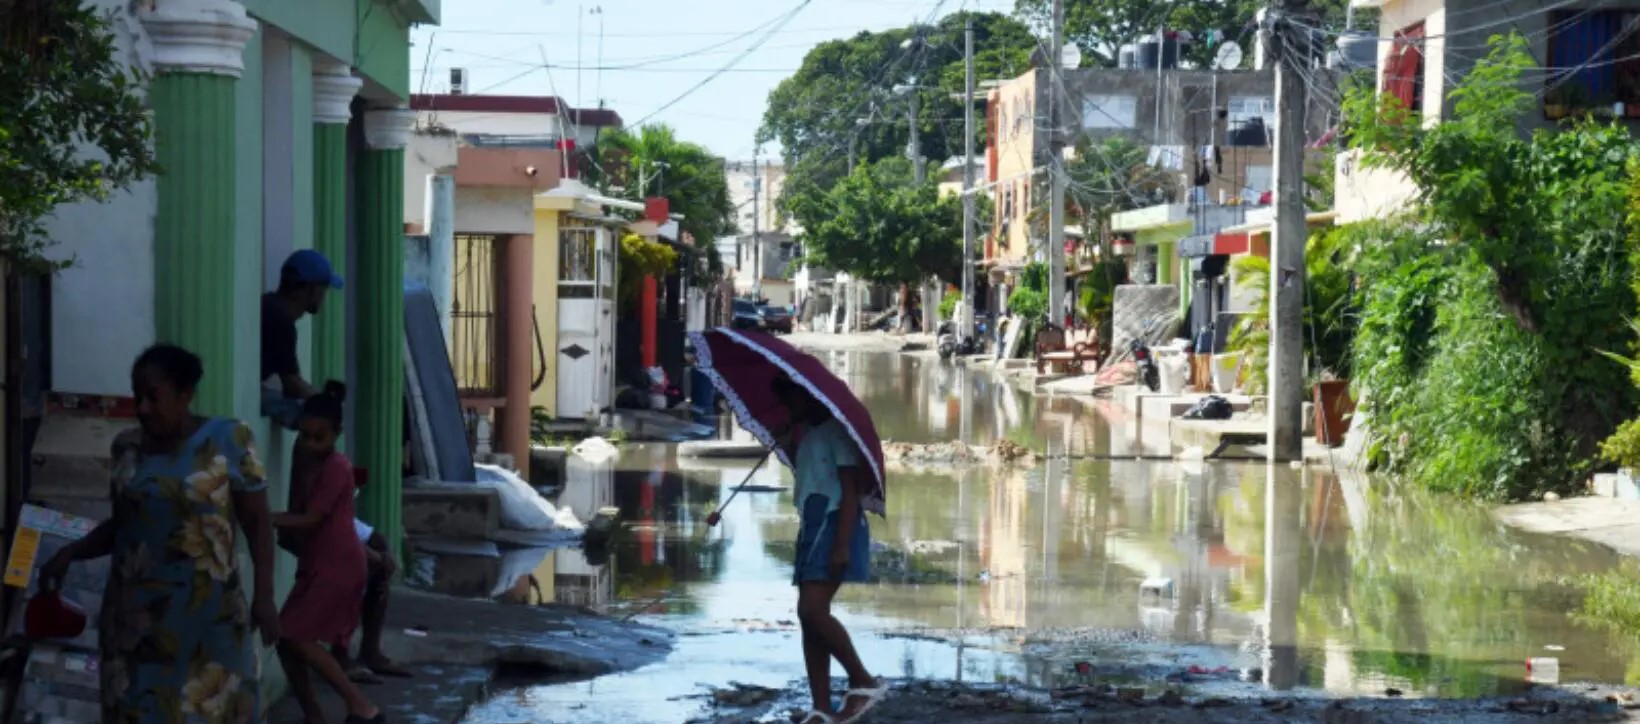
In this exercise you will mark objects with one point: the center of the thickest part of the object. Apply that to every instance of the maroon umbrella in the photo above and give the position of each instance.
(743, 365)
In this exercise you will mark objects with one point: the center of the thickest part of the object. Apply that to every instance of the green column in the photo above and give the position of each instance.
(198, 56)
(379, 286)
(333, 89)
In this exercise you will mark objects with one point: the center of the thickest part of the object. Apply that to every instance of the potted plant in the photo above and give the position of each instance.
(1330, 314)
(1554, 104)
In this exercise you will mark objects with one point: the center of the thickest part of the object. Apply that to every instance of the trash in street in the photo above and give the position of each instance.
(1543, 670)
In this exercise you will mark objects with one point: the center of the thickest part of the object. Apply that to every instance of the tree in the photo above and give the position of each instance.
(653, 162)
(877, 226)
(815, 115)
(1100, 27)
(1111, 176)
(72, 125)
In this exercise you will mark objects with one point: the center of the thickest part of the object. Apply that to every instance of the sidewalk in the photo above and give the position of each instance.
(467, 640)
(1609, 522)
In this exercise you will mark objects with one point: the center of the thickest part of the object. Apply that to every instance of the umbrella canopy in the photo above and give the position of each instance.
(743, 365)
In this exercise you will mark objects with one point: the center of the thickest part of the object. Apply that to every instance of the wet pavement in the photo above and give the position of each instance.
(1223, 580)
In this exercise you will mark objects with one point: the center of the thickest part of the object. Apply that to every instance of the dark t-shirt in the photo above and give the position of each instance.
(278, 339)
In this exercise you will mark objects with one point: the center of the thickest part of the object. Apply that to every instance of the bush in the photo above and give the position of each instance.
(1478, 320)
(948, 305)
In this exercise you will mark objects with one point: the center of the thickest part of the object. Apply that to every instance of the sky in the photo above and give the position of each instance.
(654, 53)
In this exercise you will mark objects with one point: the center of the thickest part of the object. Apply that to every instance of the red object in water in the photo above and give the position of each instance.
(50, 616)
(361, 477)
(1083, 667)
(742, 365)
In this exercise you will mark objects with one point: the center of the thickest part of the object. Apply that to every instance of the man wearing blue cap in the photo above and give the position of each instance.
(304, 280)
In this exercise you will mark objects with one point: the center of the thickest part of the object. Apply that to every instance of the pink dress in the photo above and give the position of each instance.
(326, 603)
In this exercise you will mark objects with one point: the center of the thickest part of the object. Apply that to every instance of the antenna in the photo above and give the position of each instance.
(1229, 56)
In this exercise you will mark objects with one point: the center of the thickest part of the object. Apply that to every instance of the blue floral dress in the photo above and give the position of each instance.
(176, 636)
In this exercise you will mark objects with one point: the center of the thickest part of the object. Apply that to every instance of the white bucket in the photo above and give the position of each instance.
(1226, 368)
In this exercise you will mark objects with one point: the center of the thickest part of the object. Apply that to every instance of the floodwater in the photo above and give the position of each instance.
(1235, 577)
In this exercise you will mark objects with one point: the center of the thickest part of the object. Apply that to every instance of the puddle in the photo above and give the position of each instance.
(1254, 578)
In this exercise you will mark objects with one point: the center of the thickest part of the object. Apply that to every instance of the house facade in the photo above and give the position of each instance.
(1424, 46)
(475, 167)
(279, 125)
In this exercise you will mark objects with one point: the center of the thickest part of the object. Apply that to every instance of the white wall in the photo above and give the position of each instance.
(426, 155)
(110, 287)
(511, 124)
(494, 210)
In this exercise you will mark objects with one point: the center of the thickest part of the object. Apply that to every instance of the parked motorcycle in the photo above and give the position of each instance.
(1146, 361)
(949, 344)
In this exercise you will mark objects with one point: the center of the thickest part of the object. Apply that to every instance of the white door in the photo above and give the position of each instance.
(605, 319)
(580, 355)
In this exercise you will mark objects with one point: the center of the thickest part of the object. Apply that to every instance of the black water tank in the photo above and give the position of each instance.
(1165, 53)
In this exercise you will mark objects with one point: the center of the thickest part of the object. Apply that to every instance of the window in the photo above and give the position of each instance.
(578, 255)
(1404, 68)
(1594, 55)
(1250, 120)
(1113, 112)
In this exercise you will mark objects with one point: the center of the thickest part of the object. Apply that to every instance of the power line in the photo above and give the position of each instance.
(731, 64)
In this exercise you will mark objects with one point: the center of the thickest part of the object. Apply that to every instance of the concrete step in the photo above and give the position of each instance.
(451, 510)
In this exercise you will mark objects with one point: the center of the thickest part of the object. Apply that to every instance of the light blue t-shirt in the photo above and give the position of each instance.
(822, 451)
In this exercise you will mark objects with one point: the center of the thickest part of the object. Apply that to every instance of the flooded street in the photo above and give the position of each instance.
(1228, 579)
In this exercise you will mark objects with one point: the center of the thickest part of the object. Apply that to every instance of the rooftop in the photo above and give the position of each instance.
(602, 117)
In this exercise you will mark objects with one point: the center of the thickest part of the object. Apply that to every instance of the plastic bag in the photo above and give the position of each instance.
(521, 507)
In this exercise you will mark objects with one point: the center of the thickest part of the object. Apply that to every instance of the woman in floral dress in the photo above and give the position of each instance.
(175, 631)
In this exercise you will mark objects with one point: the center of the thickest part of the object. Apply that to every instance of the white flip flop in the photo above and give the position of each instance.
(818, 717)
(873, 696)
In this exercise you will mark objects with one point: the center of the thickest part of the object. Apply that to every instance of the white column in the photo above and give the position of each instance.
(334, 87)
(198, 36)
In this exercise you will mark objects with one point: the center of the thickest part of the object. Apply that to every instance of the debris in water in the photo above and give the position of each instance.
(1130, 694)
(1554, 647)
(1084, 668)
(744, 696)
(1393, 692)
(1171, 697)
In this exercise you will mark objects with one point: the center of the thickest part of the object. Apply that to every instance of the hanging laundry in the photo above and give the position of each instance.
(1167, 157)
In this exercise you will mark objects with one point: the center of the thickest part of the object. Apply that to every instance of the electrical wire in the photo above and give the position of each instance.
(731, 64)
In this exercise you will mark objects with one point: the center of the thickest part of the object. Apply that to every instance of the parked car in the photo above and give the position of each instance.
(746, 316)
(776, 319)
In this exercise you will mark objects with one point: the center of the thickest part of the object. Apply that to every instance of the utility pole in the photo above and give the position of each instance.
(1056, 172)
(757, 235)
(966, 315)
(1287, 273)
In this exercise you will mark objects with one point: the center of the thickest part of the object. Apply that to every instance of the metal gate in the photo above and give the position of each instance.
(475, 320)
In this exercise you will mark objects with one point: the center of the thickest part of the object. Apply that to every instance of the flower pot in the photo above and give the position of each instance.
(1333, 407)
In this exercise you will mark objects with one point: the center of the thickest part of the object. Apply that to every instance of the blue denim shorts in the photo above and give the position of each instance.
(816, 539)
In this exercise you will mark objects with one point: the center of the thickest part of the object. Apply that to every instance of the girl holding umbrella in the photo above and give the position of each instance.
(810, 419)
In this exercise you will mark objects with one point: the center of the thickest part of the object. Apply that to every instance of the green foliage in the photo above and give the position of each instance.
(1623, 447)
(814, 114)
(948, 305)
(1476, 329)
(641, 258)
(652, 161)
(876, 226)
(1111, 176)
(1251, 337)
(62, 89)
(1098, 296)
(1029, 301)
(1611, 600)
(1330, 317)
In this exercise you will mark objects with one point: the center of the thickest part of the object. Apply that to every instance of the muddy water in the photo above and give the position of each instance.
(1228, 577)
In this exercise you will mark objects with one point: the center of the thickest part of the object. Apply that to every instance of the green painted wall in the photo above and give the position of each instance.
(365, 33)
(383, 53)
(248, 233)
(324, 24)
(301, 121)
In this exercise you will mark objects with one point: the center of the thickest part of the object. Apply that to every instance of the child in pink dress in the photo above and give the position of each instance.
(326, 603)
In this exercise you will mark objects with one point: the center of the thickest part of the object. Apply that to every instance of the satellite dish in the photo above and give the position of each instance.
(1070, 56)
(1229, 56)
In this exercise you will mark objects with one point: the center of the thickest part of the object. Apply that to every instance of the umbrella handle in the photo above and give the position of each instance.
(712, 520)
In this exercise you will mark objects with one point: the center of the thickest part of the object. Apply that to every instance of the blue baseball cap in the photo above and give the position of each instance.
(311, 267)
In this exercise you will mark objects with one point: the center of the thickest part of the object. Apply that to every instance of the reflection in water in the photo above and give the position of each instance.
(1297, 578)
